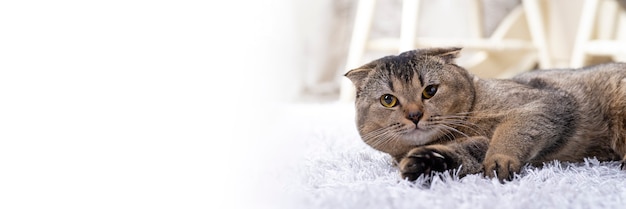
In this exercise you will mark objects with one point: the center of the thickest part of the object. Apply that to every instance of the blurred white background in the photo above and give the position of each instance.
(138, 104)
(128, 104)
(552, 34)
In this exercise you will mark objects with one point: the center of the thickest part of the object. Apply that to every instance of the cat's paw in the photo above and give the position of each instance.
(423, 161)
(501, 166)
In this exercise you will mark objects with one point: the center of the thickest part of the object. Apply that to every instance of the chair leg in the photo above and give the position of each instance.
(476, 19)
(358, 43)
(583, 35)
(536, 19)
(408, 27)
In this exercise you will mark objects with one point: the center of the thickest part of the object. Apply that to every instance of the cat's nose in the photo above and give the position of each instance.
(415, 116)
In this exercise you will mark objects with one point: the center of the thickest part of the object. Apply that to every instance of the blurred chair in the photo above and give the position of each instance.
(601, 33)
(518, 43)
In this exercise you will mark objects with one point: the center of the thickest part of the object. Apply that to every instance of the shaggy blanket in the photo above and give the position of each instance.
(319, 161)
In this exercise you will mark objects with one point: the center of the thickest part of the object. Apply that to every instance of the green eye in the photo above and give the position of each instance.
(429, 91)
(388, 100)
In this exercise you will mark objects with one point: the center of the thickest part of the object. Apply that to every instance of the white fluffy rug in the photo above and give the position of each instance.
(319, 161)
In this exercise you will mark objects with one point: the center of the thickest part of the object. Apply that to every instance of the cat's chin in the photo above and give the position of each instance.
(418, 136)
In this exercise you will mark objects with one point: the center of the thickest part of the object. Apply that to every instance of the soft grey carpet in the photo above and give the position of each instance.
(319, 161)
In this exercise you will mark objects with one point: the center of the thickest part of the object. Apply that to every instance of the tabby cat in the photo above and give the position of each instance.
(431, 115)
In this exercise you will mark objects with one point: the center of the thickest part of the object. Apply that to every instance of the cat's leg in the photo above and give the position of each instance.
(618, 144)
(504, 156)
(619, 139)
(514, 144)
(502, 166)
(465, 153)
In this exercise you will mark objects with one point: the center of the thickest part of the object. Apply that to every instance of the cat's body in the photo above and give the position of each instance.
(432, 115)
(590, 105)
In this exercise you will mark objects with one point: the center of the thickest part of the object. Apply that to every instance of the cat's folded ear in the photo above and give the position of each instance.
(359, 74)
(448, 54)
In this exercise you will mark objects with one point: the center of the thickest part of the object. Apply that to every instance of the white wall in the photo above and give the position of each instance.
(138, 104)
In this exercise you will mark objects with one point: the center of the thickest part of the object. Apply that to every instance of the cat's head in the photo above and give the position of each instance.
(411, 99)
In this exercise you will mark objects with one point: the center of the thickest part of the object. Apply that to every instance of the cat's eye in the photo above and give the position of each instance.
(388, 100)
(429, 91)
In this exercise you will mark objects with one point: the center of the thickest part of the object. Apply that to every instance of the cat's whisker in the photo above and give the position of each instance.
(378, 132)
(382, 136)
(481, 114)
(476, 114)
(445, 130)
(374, 135)
(462, 123)
(452, 129)
(446, 133)
(387, 138)
(464, 117)
(467, 125)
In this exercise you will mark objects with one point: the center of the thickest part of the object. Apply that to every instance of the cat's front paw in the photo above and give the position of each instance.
(423, 161)
(501, 166)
